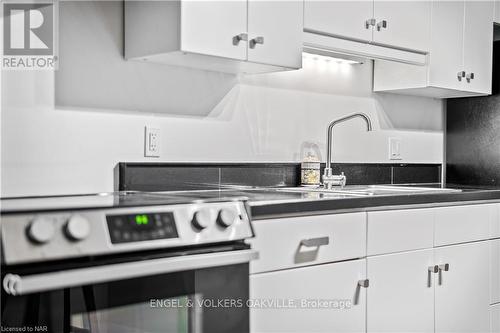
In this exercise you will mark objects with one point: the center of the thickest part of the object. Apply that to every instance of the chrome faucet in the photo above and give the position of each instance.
(329, 179)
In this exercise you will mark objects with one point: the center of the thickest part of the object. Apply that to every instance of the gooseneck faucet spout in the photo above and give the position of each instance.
(328, 178)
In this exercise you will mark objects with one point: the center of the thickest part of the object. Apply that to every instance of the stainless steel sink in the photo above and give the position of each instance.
(369, 190)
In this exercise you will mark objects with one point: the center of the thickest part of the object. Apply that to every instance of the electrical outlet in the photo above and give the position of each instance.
(152, 142)
(395, 149)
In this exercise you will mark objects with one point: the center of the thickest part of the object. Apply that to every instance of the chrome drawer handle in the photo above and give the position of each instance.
(315, 242)
(469, 77)
(382, 24)
(460, 75)
(238, 38)
(434, 269)
(370, 22)
(444, 267)
(364, 283)
(255, 41)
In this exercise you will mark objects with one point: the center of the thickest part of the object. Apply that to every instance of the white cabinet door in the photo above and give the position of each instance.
(334, 283)
(339, 18)
(208, 27)
(462, 294)
(478, 46)
(401, 293)
(408, 24)
(275, 32)
(446, 58)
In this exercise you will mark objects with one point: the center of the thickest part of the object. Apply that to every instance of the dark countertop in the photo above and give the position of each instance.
(264, 203)
(266, 208)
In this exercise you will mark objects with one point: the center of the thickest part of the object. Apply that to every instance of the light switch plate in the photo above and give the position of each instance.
(151, 142)
(395, 149)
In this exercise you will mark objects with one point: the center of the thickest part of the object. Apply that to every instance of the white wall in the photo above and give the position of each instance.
(58, 150)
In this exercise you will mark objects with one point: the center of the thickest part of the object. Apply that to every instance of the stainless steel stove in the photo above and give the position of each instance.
(95, 263)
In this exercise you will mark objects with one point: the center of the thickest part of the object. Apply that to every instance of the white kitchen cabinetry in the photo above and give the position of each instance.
(228, 36)
(281, 43)
(390, 23)
(478, 35)
(336, 282)
(401, 293)
(400, 230)
(463, 223)
(407, 24)
(301, 241)
(221, 22)
(462, 291)
(460, 59)
(345, 19)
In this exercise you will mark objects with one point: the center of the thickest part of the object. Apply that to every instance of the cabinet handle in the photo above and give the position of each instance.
(315, 242)
(460, 75)
(370, 22)
(469, 77)
(382, 25)
(444, 267)
(238, 38)
(364, 283)
(431, 270)
(255, 41)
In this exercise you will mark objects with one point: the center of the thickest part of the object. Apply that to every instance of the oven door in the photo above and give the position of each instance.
(205, 292)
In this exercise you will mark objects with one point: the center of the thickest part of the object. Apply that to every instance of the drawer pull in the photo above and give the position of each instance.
(364, 283)
(434, 269)
(315, 242)
(444, 267)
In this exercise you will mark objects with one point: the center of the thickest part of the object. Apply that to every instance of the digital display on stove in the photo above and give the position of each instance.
(141, 227)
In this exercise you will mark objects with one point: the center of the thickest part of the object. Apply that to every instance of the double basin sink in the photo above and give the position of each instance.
(370, 190)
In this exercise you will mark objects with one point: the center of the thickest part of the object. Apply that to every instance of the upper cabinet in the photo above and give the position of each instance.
(460, 58)
(344, 19)
(227, 36)
(391, 30)
(404, 24)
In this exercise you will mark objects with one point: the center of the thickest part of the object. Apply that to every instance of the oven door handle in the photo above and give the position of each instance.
(14, 284)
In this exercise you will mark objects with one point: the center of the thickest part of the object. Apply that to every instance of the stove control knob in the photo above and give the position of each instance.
(41, 230)
(226, 217)
(202, 219)
(77, 228)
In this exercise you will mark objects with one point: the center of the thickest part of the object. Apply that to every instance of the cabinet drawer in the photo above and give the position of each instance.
(463, 223)
(336, 282)
(495, 271)
(280, 242)
(400, 230)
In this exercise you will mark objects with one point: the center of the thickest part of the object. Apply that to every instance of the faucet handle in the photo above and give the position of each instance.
(330, 180)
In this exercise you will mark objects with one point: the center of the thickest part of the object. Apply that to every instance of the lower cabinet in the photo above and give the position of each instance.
(462, 290)
(321, 298)
(446, 289)
(401, 293)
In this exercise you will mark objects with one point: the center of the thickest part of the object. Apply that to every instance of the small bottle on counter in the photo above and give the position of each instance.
(310, 166)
